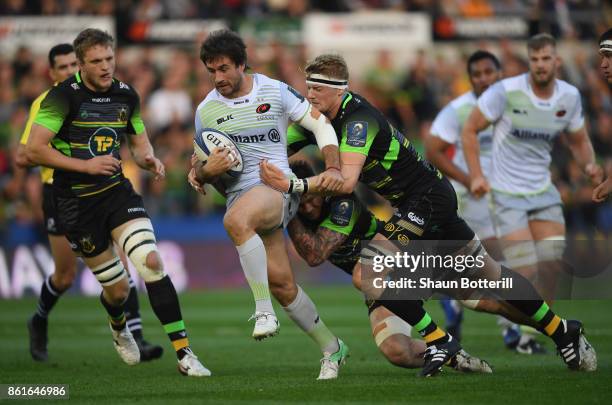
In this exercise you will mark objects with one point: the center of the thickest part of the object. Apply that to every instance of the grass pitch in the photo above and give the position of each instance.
(284, 369)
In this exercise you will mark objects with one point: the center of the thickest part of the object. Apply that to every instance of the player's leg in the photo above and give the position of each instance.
(148, 351)
(258, 209)
(137, 239)
(548, 229)
(575, 350)
(51, 290)
(519, 252)
(300, 308)
(112, 276)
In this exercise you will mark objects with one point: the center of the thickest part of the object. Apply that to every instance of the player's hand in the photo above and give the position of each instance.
(155, 166)
(105, 165)
(219, 162)
(601, 192)
(479, 186)
(273, 176)
(331, 180)
(595, 173)
(193, 181)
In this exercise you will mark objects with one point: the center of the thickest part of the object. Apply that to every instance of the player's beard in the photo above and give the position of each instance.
(231, 88)
(543, 80)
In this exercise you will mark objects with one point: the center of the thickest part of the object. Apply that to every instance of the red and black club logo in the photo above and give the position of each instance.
(263, 108)
(561, 113)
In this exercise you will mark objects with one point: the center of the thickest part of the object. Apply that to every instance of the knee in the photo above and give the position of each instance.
(118, 294)
(62, 280)
(400, 354)
(236, 227)
(153, 262)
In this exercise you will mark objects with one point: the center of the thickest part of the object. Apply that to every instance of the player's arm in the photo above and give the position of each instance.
(314, 247)
(47, 123)
(435, 151)
(475, 123)
(582, 151)
(143, 154)
(21, 157)
(40, 153)
(351, 165)
(331, 179)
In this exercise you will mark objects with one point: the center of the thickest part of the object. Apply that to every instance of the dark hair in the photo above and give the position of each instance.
(88, 38)
(302, 169)
(480, 55)
(224, 43)
(605, 36)
(59, 49)
(541, 40)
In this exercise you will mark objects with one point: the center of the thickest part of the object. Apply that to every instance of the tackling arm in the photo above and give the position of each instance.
(314, 247)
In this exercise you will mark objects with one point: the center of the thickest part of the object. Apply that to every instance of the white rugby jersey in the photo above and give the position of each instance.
(256, 122)
(448, 126)
(524, 129)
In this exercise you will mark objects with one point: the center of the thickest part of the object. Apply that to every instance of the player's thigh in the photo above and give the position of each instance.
(63, 256)
(543, 229)
(260, 208)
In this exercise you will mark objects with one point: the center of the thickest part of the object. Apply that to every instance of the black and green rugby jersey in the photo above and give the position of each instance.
(347, 216)
(88, 124)
(392, 167)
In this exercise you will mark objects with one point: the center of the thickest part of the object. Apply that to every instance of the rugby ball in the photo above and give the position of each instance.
(207, 139)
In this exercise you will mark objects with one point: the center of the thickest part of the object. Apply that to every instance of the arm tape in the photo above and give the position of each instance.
(322, 130)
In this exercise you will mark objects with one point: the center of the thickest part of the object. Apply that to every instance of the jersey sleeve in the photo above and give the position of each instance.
(135, 123)
(446, 125)
(576, 119)
(294, 104)
(34, 108)
(53, 110)
(342, 216)
(358, 133)
(492, 102)
(299, 137)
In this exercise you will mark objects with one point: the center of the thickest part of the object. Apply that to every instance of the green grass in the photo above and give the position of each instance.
(284, 369)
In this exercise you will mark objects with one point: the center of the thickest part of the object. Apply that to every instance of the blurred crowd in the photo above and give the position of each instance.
(563, 18)
(171, 82)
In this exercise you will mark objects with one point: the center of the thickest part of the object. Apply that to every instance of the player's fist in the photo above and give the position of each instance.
(155, 166)
(601, 192)
(595, 173)
(194, 182)
(479, 186)
(105, 165)
(219, 162)
(331, 180)
(273, 176)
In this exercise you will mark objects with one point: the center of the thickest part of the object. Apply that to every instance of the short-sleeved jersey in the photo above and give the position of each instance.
(392, 167)
(46, 173)
(256, 122)
(348, 216)
(88, 124)
(524, 129)
(448, 126)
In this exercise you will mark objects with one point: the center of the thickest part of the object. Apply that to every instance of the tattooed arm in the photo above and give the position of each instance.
(314, 247)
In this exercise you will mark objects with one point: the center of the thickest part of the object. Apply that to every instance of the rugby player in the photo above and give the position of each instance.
(332, 228)
(483, 69)
(62, 65)
(425, 208)
(528, 112)
(254, 110)
(603, 190)
(78, 131)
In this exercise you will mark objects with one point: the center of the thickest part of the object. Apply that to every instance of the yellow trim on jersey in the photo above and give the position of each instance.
(46, 173)
(99, 191)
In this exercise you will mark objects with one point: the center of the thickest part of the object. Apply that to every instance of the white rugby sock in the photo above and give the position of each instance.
(303, 312)
(255, 267)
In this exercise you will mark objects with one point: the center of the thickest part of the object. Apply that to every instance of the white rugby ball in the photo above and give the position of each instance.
(207, 139)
